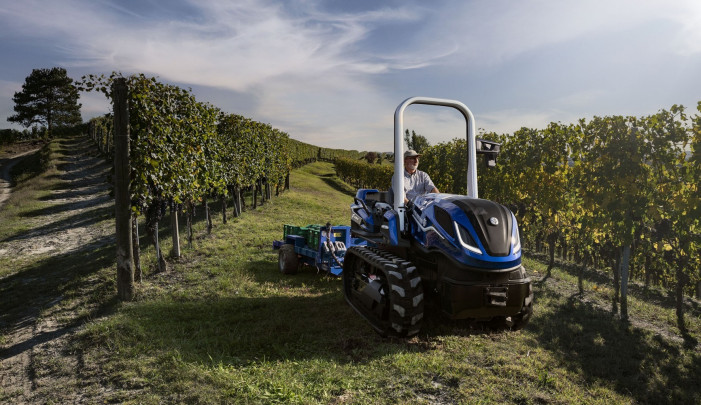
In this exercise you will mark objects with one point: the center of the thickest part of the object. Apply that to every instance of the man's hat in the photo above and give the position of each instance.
(411, 153)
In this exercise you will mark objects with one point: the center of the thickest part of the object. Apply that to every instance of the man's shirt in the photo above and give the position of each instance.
(415, 184)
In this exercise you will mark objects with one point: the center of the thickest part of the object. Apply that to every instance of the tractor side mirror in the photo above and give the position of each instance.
(489, 149)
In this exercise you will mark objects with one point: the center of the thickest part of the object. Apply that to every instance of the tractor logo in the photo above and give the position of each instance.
(493, 221)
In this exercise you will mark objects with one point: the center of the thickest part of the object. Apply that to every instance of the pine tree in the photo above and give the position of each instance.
(49, 98)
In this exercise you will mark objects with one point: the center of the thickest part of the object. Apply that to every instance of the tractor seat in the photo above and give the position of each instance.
(378, 196)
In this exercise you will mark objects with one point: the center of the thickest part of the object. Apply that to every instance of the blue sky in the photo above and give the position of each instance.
(331, 73)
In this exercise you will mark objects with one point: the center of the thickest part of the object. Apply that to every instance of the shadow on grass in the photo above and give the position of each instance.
(85, 190)
(46, 284)
(305, 317)
(604, 350)
(98, 199)
(653, 296)
(28, 166)
(244, 330)
(335, 183)
(85, 218)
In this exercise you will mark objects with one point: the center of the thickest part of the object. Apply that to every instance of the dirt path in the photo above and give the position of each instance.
(62, 226)
(36, 320)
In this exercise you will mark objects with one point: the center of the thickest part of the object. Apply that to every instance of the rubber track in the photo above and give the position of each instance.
(406, 292)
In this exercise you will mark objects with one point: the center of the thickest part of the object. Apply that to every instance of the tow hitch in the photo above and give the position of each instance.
(496, 296)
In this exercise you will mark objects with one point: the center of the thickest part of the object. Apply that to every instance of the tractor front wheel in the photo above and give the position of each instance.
(287, 259)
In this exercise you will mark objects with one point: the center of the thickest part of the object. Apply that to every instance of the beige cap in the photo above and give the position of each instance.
(411, 153)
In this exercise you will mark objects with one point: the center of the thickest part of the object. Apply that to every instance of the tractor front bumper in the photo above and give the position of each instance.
(461, 300)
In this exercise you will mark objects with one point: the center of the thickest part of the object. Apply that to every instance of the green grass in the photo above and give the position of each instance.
(35, 164)
(224, 326)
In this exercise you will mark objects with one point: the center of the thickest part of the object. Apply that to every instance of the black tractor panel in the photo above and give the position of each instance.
(492, 222)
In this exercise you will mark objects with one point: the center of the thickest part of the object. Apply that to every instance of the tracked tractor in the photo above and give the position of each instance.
(460, 253)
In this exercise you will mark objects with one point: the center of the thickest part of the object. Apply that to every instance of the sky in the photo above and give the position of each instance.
(332, 73)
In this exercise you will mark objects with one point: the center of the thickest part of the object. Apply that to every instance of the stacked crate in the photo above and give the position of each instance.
(310, 233)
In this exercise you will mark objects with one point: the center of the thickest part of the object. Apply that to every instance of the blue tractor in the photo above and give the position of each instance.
(460, 252)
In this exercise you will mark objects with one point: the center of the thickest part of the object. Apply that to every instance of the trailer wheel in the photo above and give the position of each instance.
(287, 259)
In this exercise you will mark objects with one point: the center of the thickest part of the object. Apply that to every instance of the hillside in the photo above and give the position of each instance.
(222, 325)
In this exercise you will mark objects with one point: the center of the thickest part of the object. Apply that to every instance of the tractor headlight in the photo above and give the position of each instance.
(515, 239)
(465, 239)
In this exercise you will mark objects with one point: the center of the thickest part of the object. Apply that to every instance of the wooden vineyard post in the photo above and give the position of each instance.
(122, 200)
(223, 208)
(175, 229)
(135, 245)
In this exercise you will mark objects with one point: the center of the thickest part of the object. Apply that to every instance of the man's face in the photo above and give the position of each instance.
(411, 163)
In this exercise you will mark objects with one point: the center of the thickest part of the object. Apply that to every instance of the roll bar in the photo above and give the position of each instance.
(398, 180)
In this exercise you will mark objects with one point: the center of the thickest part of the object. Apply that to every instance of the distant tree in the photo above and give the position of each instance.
(379, 158)
(49, 98)
(415, 141)
(371, 157)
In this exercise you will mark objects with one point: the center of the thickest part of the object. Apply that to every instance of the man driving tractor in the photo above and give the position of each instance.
(416, 182)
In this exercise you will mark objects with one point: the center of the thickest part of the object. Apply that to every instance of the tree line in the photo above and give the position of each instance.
(361, 174)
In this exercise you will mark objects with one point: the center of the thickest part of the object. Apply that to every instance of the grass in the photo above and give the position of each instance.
(35, 164)
(224, 326)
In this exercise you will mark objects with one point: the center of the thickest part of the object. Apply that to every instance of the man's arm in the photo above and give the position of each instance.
(429, 186)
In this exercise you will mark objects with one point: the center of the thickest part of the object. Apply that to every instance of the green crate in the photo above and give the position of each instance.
(310, 233)
(304, 232)
(290, 230)
(313, 238)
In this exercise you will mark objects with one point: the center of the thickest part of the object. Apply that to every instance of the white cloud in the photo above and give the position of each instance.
(316, 74)
(232, 44)
(509, 121)
(304, 68)
(329, 112)
(689, 38)
(581, 99)
(489, 33)
(93, 104)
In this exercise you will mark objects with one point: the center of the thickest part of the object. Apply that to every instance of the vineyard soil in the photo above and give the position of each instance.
(224, 326)
(68, 218)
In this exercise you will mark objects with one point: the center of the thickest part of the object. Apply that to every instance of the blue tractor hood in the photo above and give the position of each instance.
(471, 231)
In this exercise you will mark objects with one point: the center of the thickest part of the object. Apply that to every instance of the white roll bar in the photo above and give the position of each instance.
(398, 180)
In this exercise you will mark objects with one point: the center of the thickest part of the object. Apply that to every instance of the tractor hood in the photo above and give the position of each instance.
(479, 233)
(490, 220)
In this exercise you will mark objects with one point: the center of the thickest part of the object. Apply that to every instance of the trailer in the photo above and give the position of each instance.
(320, 246)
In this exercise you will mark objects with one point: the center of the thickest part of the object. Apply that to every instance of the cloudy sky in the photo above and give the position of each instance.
(332, 72)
